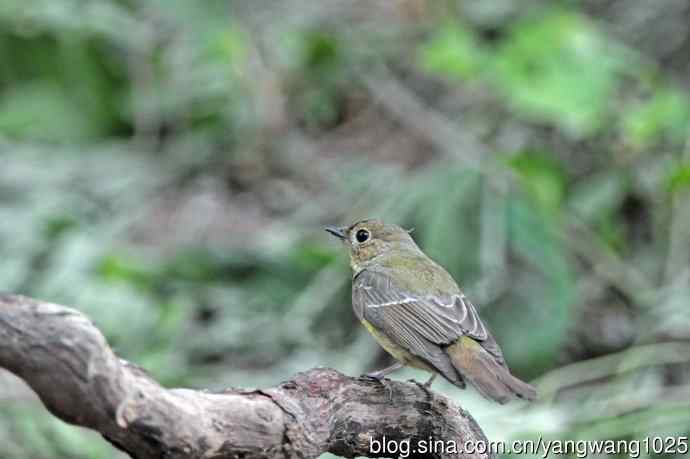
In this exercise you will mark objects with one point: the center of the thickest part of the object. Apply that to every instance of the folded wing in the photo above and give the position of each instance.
(423, 324)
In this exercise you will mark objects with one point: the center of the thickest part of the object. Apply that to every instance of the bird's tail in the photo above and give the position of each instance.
(490, 377)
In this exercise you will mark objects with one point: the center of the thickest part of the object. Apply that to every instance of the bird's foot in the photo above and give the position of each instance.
(424, 386)
(430, 381)
(375, 376)
(379, 374)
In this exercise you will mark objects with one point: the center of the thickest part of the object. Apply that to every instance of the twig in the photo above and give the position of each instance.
(427, 122)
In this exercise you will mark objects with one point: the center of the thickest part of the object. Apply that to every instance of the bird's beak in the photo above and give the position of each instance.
(335, 231)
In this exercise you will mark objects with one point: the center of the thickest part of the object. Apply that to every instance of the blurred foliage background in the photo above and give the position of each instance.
(167, 168)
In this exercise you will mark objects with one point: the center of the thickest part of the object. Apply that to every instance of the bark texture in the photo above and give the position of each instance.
(67, 362)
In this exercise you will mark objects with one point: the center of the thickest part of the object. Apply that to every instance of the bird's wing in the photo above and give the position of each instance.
(488, 343)
(418, 322)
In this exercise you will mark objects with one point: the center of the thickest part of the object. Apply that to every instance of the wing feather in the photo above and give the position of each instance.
(420, 323)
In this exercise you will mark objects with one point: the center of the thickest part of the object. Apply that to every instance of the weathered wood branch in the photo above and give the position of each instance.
(67, 362)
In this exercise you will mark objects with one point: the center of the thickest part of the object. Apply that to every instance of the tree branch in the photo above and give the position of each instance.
(67, 362)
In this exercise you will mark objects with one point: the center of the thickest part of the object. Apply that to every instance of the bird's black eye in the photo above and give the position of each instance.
(362, 236)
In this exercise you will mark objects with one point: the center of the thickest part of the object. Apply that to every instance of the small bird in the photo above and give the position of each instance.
(419, 315)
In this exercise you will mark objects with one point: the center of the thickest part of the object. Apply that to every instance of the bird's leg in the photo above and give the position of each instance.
(427, 384)
(430, 381)
(380, 374)
(425, 387)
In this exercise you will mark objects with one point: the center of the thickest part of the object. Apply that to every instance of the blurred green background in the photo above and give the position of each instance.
(167, 167)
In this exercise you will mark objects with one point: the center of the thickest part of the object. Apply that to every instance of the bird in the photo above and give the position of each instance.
(418, 314)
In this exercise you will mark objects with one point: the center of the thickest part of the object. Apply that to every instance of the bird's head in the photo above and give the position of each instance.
(369, 239)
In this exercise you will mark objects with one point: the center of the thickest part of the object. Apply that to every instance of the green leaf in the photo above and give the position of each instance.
(542, 177)
(679, 178)
(321, 51)
(665, 114)
(453, 52)
(41, 110)
(541, 301)
(559, 70)
(446, 213)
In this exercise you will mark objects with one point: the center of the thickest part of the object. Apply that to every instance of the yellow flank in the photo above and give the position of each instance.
(398, 352)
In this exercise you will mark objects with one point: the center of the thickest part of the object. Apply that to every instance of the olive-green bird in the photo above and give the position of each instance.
(418, 314)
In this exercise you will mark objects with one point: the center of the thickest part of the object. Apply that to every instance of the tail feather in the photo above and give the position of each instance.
(491, 378)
